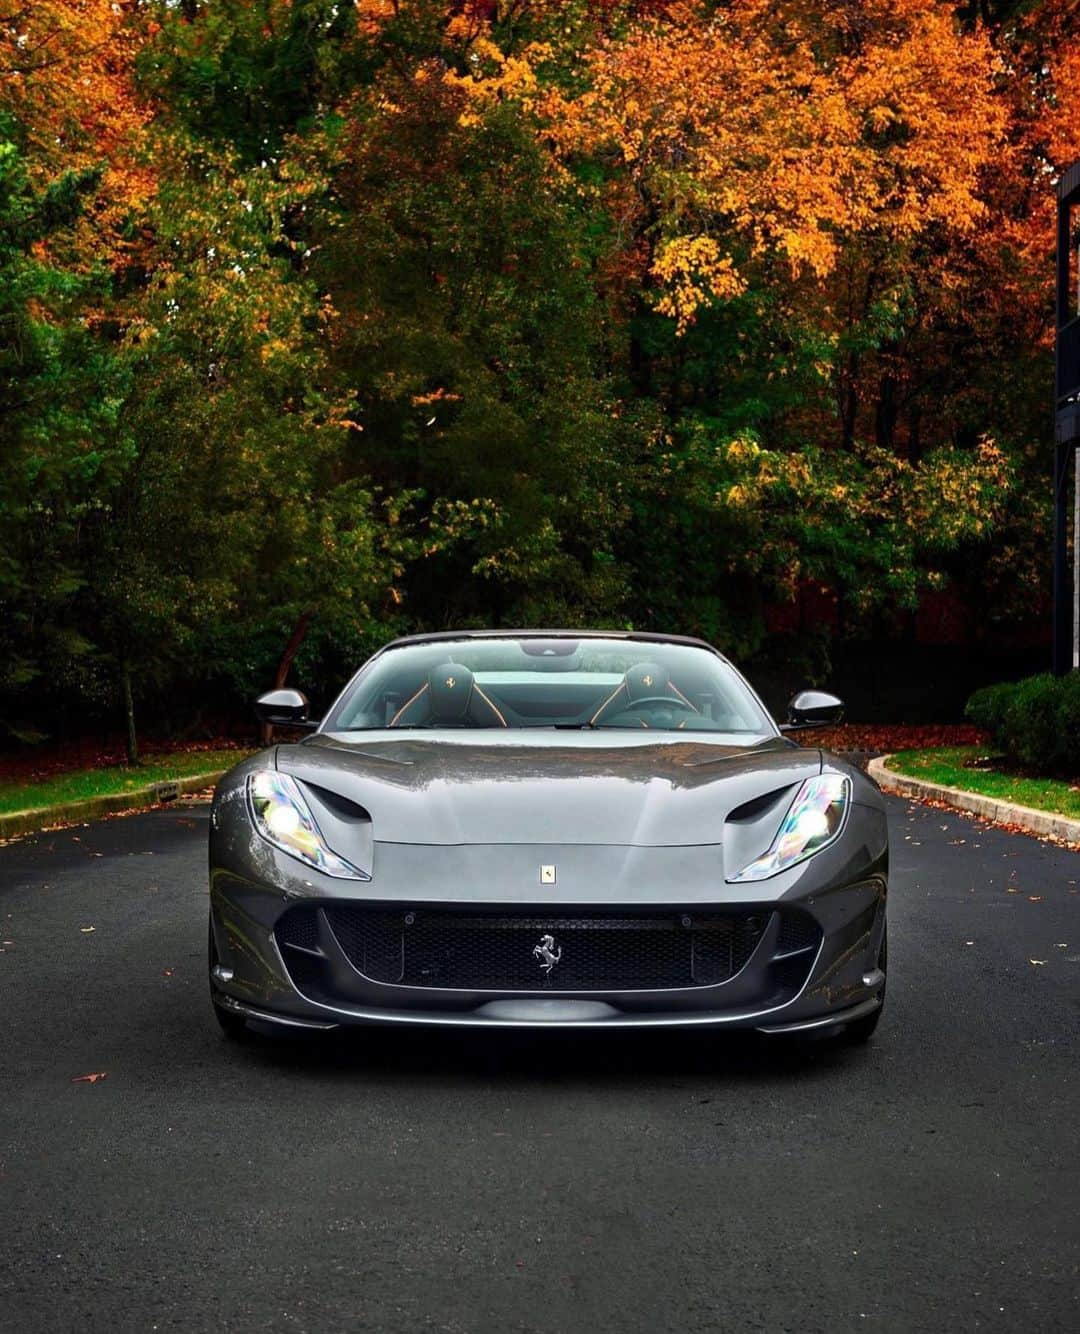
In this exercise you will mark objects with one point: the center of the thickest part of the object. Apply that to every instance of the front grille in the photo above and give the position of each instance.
(508, 951)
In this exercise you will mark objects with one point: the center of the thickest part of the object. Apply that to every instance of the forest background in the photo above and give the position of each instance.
(325, 322)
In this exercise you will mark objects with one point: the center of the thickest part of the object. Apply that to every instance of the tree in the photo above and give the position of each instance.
(57, 403)
(469, 336)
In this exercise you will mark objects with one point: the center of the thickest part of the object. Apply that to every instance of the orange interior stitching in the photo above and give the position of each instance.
(491, 704)
(600, 710)
(393, 720)
(673, 686)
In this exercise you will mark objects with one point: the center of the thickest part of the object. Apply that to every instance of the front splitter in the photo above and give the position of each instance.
(542, 1013)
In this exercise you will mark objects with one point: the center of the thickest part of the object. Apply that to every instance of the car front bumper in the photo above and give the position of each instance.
(832, 981)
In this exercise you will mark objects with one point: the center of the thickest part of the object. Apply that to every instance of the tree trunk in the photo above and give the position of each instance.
(129, 714)
(886, 413)
(914, 451)
(849, 407)
(292, 648)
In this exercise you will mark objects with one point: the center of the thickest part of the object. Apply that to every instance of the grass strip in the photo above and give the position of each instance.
(952, 766)
(113, 780)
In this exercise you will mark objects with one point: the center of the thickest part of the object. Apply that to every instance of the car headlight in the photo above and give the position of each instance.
(813, 821)
(282, 817)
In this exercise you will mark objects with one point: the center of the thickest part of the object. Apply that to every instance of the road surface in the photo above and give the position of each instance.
(473, 1183)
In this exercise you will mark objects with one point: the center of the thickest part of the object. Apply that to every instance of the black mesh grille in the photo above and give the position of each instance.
(798, 931)
(512, 951)
(299, 928)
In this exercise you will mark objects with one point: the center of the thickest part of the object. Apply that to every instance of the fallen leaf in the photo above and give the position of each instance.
(90, 1079)
(167, 972)
(87, 929)
(1035, 898)
(1037, 962)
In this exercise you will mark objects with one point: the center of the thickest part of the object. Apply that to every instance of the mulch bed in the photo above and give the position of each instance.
(887, 737)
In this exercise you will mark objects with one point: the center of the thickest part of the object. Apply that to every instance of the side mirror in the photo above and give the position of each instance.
(284, 708)
(813, 708)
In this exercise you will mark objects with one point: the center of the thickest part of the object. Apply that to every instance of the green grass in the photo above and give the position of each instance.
(951, 765)
(83, 783)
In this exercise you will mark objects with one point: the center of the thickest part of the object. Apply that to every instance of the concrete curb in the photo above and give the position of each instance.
(1043, 824)
(93, 808)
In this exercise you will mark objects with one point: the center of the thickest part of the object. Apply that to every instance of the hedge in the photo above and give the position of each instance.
(1036, 722)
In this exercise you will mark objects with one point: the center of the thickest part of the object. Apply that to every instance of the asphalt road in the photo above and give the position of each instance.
(412, 1182)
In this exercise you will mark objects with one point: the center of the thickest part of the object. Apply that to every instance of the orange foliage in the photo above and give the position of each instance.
(785, 130)
(66, 76)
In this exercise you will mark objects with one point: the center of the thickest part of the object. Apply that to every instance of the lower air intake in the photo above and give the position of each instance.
(519, 951)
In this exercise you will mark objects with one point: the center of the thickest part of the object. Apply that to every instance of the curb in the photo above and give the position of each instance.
(1043, 824)
(92, 808)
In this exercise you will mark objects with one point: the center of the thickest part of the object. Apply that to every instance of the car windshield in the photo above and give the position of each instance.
(523, 682)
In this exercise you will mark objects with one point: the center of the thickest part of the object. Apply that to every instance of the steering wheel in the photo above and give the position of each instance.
(656, 701)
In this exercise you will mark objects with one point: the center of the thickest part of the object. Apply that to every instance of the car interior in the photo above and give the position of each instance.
(567, 683)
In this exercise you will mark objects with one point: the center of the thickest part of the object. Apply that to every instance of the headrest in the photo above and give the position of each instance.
(449, 689)
(647, 678)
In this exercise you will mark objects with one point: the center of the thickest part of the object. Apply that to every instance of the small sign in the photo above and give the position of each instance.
(547, 875)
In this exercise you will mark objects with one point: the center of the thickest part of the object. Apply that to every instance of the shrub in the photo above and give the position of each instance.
(1035, 721)
(986, 707)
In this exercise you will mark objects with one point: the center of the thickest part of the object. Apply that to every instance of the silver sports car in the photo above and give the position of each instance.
(548, 829)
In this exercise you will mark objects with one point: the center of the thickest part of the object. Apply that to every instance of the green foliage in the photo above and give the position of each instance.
(58, 403)
(245, 73)
(1035, 721)
(738, 524)
(469, 345)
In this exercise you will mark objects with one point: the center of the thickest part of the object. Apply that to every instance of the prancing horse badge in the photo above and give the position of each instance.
(547, 875)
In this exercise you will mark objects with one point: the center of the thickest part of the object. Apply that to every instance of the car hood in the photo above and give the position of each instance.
(543, 788)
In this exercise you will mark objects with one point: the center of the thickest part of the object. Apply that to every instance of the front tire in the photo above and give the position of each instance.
(862, 1030)
(234, 1026)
